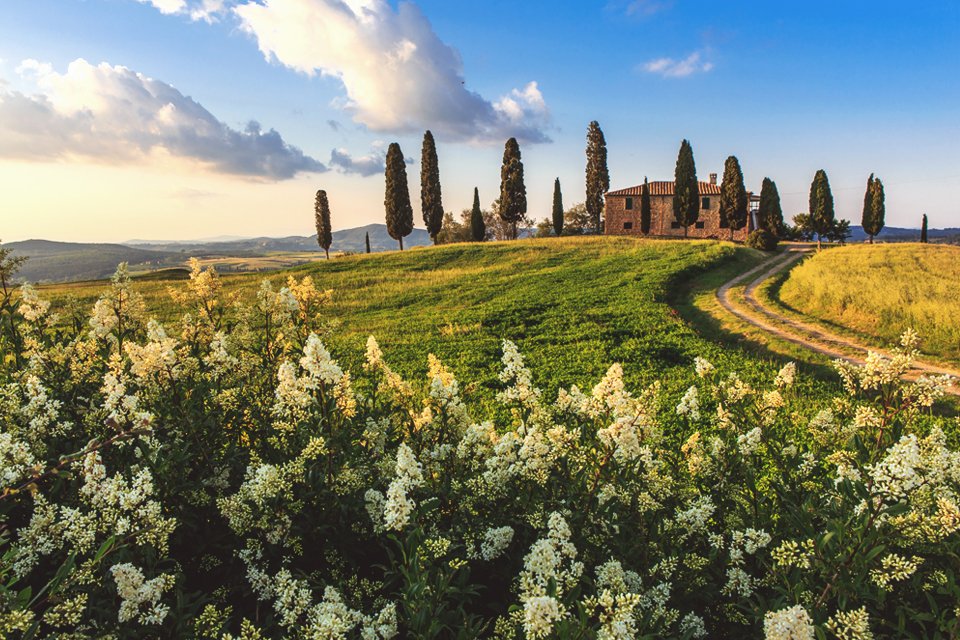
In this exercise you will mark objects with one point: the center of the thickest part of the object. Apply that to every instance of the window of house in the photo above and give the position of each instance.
(700, 225)
(629, 204)
(674, 225)
(705, 203)
(628, 225)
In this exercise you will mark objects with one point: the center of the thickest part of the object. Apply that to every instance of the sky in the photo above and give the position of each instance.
(186, 119)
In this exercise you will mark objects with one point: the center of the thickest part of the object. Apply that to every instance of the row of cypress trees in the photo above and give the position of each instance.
(512, 208)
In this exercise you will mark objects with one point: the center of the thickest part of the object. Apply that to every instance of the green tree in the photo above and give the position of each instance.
(733, 196)
(923, 230)
(430, 201)
(874, 208)
(513, 193)
(11, 341)
(397, 199)
(557, 208)
(821, 206)
(645, 207)
(576, 220)
(598, 178)
(686, 190)
(478, 229)
(769, 212)
(367, 240)
(321, 215)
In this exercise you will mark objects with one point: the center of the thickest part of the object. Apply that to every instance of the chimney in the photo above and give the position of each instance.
(713, 178)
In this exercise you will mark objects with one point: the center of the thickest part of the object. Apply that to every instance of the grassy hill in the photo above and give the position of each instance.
(574, 306)
(880, 290)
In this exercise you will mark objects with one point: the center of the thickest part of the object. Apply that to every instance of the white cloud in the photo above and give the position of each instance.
(115, 115)
(671, 68)
(398, 75)
(206, 10)
(368, 165)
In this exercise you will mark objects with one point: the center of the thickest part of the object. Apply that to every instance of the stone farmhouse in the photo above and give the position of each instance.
(623, 212)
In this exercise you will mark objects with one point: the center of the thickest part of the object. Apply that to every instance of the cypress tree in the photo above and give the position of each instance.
(367, 240)
(874, 208)
(557, 208)
(430, 201)
(397, 199)
(686, 190)
(645, 207)
(923, 230)
(821, 206)
(598, 178)
(769, 213)
(513, 193)
(478, 230)
(733, 196)
(321, 215)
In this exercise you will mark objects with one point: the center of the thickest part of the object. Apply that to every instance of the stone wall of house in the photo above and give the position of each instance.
(621, 221)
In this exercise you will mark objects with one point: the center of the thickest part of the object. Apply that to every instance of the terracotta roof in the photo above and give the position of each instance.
(662, 188)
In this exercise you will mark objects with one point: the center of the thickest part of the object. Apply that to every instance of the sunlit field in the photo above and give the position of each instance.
(882, 289)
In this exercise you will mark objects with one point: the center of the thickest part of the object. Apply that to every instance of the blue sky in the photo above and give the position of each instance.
(852, 87)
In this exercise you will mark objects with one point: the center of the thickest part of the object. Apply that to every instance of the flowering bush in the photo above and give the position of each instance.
(227, 478)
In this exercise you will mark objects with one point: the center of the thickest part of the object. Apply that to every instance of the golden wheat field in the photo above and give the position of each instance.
(879, 290)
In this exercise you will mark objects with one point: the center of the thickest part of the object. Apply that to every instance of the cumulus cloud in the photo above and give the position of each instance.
(397, 74)
(368, 165)
(672, 68)
(115, 115)
(206, 10)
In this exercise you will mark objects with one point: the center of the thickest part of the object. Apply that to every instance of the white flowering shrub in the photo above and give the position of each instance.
(225, 476)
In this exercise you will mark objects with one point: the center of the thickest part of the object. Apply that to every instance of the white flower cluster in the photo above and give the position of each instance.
(158, 355)
(696, 517)
(32, 307)
(690, 404)
(792, 623)
(518, 379)
(851, 625)
(399, 505)
(550, 561)
(140, 598)
(16, 460)
(786, 376)
(495, 542)
(749, 442)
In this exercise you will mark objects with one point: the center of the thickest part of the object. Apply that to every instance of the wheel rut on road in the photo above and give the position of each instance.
(804, 334)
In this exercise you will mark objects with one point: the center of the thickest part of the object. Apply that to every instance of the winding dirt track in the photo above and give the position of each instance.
(809, 336)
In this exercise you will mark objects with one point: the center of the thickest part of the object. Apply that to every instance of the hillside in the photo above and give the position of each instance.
(880, 290)
(60, 261)
(574, 306)
(904, 234)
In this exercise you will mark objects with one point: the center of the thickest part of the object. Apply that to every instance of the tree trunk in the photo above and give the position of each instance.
(401, 243)
(870, 241)
(514, 230)
(819, 246)
(327, 251)
(686, 231)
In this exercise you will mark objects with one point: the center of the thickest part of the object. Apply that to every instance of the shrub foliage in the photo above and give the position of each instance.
(225, 477)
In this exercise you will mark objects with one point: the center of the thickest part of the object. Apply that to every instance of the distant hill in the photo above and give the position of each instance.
(347, 240)
(902, 234)
(69, 261)
(62, 261)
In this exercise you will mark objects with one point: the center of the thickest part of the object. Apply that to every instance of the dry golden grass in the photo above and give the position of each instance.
(880, 290)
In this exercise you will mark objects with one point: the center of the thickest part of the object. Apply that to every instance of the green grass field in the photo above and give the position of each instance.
(880, 290)
(574, 306)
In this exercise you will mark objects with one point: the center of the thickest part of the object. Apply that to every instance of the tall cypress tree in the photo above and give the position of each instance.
(557, 208)
(769, 212)
(430, 201)
(733, 196)
(397, 198)
(923, 230)
(598, 178)
(321, 215)
(686, 190)
(645, 207)
(874, 208)
(367, 240)
(478, 229)
(821, 206)
(513, 193)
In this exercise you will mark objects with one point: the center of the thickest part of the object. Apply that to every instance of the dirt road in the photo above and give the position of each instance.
(805, 334)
